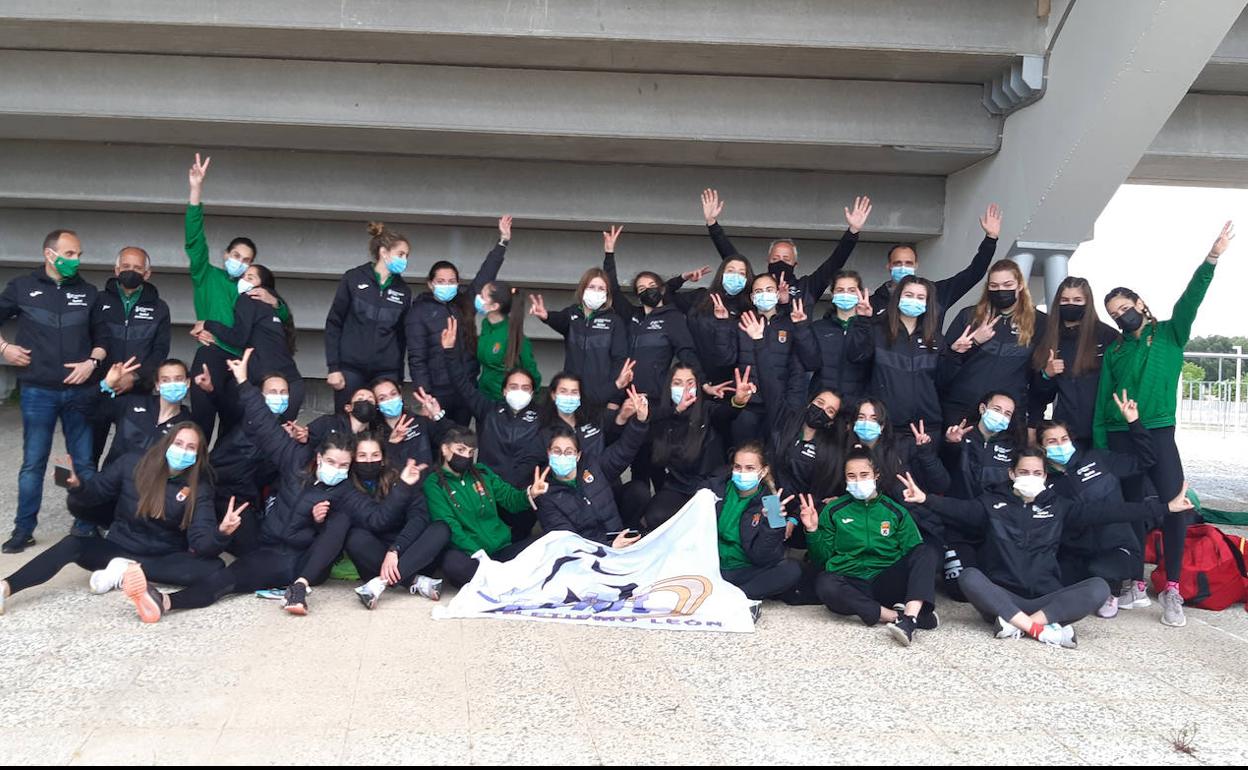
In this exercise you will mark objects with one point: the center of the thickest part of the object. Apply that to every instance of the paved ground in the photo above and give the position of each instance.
(81, 681)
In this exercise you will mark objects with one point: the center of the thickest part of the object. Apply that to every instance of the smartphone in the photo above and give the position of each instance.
(60, 475)
(775, 516)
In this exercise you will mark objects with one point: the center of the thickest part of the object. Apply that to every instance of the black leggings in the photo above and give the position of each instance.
(1065, 605)
(910, 578)
(205, 407)
(92, 553)
(665, 504)
(765, 582)
(1167, 478)
(247, 537)
(269, 567)
(367, 552)
(359, 378)
(458, 567)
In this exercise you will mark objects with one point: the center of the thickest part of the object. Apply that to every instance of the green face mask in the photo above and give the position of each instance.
(68, 268)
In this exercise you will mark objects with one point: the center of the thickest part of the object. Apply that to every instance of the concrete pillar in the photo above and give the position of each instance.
(1025, 260)
(1055, 271)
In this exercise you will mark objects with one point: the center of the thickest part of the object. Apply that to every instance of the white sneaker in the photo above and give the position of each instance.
(4, 594)
(1057, 635)
(1005, 630)
(1109, 609)
(370, 592)
(1133, 597)
(109, 578)
(1172, 608)
(427, 587)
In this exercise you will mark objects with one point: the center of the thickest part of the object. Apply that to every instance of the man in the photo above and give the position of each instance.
(56, 355)
(132, 321)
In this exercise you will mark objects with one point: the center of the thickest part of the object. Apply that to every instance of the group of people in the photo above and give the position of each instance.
(864, 460)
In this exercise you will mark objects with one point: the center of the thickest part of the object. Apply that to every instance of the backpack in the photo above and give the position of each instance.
(1215, 574)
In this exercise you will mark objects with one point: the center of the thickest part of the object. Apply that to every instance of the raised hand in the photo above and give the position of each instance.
(195, 177)
(625, 412)
(264, 295)
(808, 513)
(782, 291)
(625, 377)
(693, 276)
(1130, 410)
(537, 306)
(964, 342)
(412, 472)
(640, 405)
(203, 380)
(721, 310)
(858, 217)
(912, 493)
(991, 221)
(233, 517)
(752, 325)
(16, 354)
(610, 237)
(955, 433)
(398, 434)
(744, 390)
(1180, 503)
(1055, 366)
(797, 313)
(864, 304)
(540, 485)
(296, 431)
(428, 402)
(504, 227)
(1224, 240)
(712, 206)
(687, 400)
(320, 511)
(920, 434)
(450, 335)
(118, 372)
(717, 391)
(986, 330)
(239, 365)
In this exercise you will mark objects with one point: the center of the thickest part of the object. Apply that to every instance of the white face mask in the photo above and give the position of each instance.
(594, 299)
(861, 490)
(518, 399)
(244, 286)
(1029, 486)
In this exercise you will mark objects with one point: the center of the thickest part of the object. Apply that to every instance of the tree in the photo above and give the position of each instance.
(1193, 372)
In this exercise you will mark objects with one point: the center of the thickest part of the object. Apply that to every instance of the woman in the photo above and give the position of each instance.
(162, 515)
(502, 344)
(469, 498)
(1067, 361)
(981, 454)
(364, 330)
(1019, 585)
(305, 524)
(712, 314)
(992, 344)
(1146, 361)
(915, 452)
(766, 341)
(566, 408)
(751, 547)
(357, 415)
(903, 347)
(428, 316)
(389, 553)
(581, 498)
(271, 337)
(142, 418)
(412, 435)
(595, 341)
(824, 341)
(870, 555)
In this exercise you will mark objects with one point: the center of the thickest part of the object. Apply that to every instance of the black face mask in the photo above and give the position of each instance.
(364, 411)
(780, 270)
(130, 279)
(1072, 313)
(817, 418)
(1130, 321)
(370, 471)
(651, 297)
(460, 464)
(1002, 298)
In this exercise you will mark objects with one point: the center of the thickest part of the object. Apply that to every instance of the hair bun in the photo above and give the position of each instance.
(376, 228)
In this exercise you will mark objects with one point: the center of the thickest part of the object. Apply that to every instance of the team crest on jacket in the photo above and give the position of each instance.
(587, 477)
(498, 348)
(182, 493)
(782, 335)
(886, 528)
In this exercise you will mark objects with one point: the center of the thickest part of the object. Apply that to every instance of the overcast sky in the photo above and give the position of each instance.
(1151, 237)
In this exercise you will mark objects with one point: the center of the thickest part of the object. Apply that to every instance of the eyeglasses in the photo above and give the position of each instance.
(563, 452)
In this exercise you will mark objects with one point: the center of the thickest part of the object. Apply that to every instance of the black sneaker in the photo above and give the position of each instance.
(296, 600)
(19, 542)
(928, 620)
(84, 529)
(902, 630)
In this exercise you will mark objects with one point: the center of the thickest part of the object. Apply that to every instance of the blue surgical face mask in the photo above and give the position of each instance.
(867, 430)
(845, 301)
(678, 394)
(567, 404)
(745, 481)
(276, 403)
(329, 476)
(445, 292)
(179, 459)
(562, 465)
(396, 264)
(911, 307)
(244, 286)
(994, 422)
(173, 392)
(478, 304)
(900, 272)
(733, 283)
(861, 490)
(765, 300)
(234, 268)
(1060, 453)
(391, 407)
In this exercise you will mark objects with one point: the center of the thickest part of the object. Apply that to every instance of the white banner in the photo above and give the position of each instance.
(669, 580)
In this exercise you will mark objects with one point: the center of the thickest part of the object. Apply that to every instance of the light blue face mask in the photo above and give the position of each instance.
(479, 304)
(391, 407)
(179, 459)
(900, 272)
(234, 268)
(276, 403)
(396, 265)
(330, 477)
(745, 481)
(678, 394)
(867, 430)
(861, 490)
(445, 292)
(1060, 453)
(562, 465)
(911, 307)
(733, 283)
(765, 300)
(994, 422)
(567, 404)
(173, 392)
(845, 301)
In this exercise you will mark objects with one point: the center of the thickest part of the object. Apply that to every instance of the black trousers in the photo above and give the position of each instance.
(910, 578)
(269, 567)
(1167, 478)
(458, 567)
(1065, 605)
(367, 552)
(631, 500)
(247, 537)
(92, 553)
(665, 504)
(206, 407)
(765, 582)
(359, 378)
(1111, 566)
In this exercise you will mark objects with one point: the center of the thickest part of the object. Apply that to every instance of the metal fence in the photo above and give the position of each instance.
(1219, 403)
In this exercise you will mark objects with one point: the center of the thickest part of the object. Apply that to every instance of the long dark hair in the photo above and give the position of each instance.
(335, 439)
(828, 442)
(928, 323)
(269, 281)
(467, 437)
(511, 305)
(738, 304)
(670, 444)
(389, 476)
(151, 476)
(548, 415)
(1085, 347)
(884, 456)
(1122, 291)
(1016, 432)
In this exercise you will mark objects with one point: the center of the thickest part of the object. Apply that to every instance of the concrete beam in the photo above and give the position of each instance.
(461, 191)
(966, 42)
(1227, 70)
(1203, 143)
(465, 111)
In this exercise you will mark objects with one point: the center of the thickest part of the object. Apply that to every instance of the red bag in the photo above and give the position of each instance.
(1215, 574)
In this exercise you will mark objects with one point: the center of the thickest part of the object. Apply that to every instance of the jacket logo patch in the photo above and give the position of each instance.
(182, 494)
(498, 348)
(587, 477)
(655, 326)
(847, 521)
(140, 409)
(36, 293)
(105, 307)
(361, 286)
(1041, 513)
(601, 324)
(530, 416)
(394, 296)
(76, 299)
(999, 506)
(886, 528)
(782, 335)
(142, 314)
